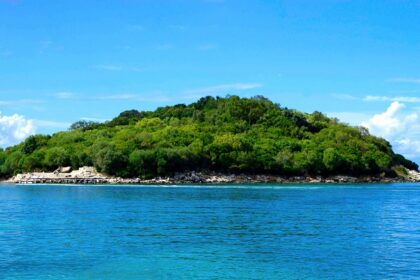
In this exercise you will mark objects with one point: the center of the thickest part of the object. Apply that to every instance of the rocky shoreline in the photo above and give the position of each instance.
(88, 175)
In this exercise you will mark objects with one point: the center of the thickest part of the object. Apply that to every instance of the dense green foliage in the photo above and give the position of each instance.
(232, 134)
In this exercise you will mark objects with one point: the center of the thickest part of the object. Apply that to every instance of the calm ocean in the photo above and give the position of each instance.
(227, 232)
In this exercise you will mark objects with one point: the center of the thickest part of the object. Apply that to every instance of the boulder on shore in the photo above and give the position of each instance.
(66, 169)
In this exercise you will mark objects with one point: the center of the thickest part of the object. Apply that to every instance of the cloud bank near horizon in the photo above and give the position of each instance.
(400, 126)
(14, 129)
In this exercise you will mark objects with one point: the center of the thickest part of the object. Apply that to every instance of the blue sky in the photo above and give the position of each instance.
(62, 61)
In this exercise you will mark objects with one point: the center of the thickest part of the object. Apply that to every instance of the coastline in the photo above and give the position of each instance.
(89, 175)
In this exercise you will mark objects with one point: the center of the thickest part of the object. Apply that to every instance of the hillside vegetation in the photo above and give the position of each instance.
(231, 135)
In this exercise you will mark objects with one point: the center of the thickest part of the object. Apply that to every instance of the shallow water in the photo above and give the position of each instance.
(228, 232)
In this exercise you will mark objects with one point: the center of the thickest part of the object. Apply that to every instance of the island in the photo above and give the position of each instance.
(214, 140)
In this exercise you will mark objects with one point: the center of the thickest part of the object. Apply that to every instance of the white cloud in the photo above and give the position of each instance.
(408, 99)
(399, 124)
(14, 129)
(401, 128)
(390, 124)
(408, 147)
(225, 87)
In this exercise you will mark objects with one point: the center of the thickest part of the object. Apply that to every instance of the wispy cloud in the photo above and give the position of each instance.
(152, 96)
(64, 95)
(223, 88)
(344, 96)
(409, 80)
(117, 68)
(149, 97)
(377, 98)
(21, 102)
(408, 99)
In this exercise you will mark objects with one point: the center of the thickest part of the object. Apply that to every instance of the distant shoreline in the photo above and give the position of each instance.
(89, 176)
(5, 182)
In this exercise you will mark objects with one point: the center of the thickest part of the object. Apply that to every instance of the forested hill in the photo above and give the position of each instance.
(230, 135)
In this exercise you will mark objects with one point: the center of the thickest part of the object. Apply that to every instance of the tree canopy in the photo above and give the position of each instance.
(231, 134)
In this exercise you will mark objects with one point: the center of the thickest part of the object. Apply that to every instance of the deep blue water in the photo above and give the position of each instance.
(241, 232)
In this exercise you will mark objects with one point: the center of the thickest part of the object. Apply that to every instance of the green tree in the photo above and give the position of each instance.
(142, 164)
(331, 160)
(111, 161)
(56, 157)
(231, 134)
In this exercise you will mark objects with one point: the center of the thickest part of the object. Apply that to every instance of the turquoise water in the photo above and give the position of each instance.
(241, 232)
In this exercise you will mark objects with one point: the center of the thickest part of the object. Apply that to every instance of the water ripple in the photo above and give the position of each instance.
(223, 232)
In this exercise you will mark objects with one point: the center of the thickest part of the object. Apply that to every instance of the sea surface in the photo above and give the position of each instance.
(210, 232)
